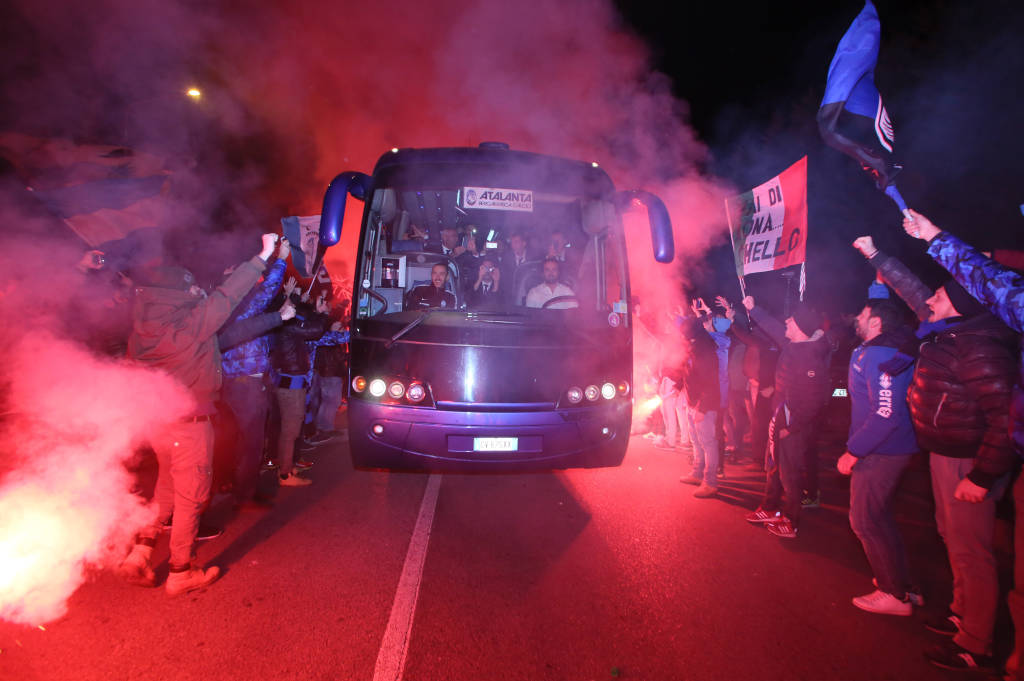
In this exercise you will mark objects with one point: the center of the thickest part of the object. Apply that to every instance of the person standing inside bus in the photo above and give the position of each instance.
(550, 288)
(434, 293)
(487, 289)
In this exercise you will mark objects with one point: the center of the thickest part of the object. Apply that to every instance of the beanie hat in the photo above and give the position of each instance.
(806, 319)
(963, 302)
(164, 276)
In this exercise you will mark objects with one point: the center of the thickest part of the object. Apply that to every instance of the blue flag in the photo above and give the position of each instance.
(852, 117)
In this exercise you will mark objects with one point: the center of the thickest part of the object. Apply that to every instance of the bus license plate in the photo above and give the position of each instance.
(495, 444)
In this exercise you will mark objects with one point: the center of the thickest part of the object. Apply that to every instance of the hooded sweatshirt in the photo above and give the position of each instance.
(175, 331)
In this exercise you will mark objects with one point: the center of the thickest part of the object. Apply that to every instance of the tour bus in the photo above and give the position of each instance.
(461, 384)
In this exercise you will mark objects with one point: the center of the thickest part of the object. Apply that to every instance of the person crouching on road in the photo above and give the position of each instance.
(175, 328)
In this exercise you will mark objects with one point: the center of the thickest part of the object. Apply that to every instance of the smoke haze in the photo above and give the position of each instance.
(292, 93)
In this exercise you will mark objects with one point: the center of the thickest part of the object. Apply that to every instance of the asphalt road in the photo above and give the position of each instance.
(587, 574)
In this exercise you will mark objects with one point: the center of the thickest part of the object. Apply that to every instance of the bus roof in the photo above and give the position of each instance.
(491, 164)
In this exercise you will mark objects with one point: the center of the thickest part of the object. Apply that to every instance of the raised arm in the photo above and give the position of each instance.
(997, 287)
(904, 282)
(775, 329)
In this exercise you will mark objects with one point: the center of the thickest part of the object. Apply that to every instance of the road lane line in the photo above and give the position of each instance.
(395, 645)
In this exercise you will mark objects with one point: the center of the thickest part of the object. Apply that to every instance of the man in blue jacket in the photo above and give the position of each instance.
(879, 449)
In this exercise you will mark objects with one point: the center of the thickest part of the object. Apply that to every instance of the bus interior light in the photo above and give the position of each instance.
(377, 387)
(396, 389)
(359, 384)
(575, 395)
(607, 391)
(591, 392)
(377, 429)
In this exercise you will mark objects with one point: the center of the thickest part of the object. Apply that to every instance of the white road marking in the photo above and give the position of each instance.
(395, 645)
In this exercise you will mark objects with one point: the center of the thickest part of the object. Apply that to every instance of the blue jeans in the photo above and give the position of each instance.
(705, 446)
(249, 400)
(873, 485)
(330, 401)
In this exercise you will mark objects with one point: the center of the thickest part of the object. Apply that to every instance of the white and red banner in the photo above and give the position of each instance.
(768, 224)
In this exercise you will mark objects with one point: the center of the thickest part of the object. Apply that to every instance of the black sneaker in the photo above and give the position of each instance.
(949, 655)
(205, 532)
(947, 625)
(208, 532)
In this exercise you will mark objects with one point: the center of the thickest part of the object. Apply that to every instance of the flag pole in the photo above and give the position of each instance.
(732, 240)
(895, 195)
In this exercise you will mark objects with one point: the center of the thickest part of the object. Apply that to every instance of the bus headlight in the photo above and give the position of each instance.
(359, 384)
(396, 390)
(623, 388)
(377, 387)
(607, 391)
(591, 392)
(416, 392)
(575, 395)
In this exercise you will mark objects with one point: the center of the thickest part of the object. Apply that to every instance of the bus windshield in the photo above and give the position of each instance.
(472, 255)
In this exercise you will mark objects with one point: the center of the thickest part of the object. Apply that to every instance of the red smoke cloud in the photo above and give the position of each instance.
(67, 506)
(304, 89)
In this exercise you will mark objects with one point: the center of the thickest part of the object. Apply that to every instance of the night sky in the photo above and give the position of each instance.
(950, 74)
(750, 79)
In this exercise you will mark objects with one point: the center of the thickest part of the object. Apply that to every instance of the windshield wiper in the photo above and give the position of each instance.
(410, 326)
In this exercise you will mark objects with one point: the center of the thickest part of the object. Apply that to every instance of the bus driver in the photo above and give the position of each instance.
(550, 288)
(434, 293)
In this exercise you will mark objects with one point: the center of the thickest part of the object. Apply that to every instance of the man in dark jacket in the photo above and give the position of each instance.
(174, 330)
(960, 405)
(698, 380)
(292, 373)
(759, 363)
(246, 365)
(801, 393)
(879, 449)
(1001, 291)
(434, 293)
(489, 288)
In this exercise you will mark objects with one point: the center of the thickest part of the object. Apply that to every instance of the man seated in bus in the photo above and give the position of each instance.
(560, 249)
(488, 289)
(550, 288)
(434, 293)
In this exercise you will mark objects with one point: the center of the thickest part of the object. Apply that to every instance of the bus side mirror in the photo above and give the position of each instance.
(333, 213)
(661, 225)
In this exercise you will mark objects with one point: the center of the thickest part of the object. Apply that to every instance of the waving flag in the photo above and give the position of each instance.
(768, 224)
(852, 117)
(102, 192)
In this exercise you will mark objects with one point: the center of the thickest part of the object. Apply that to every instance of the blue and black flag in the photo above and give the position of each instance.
(852, 117)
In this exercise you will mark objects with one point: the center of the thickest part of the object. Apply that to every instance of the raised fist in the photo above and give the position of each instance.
(287, 310)
(866, 246)
(748, 303)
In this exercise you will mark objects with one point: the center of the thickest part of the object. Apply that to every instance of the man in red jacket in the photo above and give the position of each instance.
(175, 328)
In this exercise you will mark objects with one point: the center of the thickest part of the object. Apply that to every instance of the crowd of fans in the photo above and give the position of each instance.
(257, 352)
(947, 383)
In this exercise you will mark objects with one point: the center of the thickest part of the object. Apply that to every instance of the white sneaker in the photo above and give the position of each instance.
(190, 580)
(915, 597)
(883, 604)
